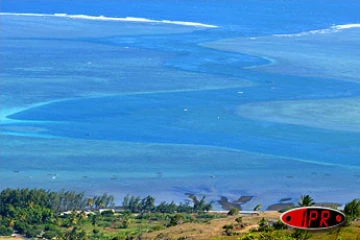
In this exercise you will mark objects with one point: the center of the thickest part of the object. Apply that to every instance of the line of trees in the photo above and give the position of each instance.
(135, 204)
(56, 201)
(25, 210)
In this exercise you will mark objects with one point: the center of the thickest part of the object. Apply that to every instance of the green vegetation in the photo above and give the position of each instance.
(56, 201)
(264, 225)
(227, 229)
(69, 215)
(233, 212)
(306, 201)
(352, 209)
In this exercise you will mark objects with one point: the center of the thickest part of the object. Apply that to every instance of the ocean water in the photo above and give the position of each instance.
(215, 98)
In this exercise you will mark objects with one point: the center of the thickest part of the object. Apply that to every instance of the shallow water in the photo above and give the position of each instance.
(166, 109)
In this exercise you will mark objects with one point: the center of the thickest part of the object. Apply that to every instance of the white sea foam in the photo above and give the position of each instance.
(104, 18)
(347, 26)
(332, 29)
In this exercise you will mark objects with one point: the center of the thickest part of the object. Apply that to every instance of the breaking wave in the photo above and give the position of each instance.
(104, 18)
(332, 29)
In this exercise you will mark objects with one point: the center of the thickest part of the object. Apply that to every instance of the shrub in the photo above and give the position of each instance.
(51, 227)
(264, 225)
(5, 231)
(108, 219)
(352, 209)
(249, 236)
(104, 224)
(209, 215)
(176, 219)
(107, 213)
(234, 211)
(279, 225)
(301, 234)
(21, 227)
(32, 232)
(118, 238)
(227, 229)
(52, 234)
(157, 228)
(145, 216)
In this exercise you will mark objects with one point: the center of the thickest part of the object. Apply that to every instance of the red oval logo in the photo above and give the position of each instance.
(312, 218)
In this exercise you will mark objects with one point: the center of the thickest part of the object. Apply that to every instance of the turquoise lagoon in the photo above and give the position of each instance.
(169, 108)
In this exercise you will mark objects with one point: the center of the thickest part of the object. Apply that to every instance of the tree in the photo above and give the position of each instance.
(5, 231)
(352, 209)
(184, 207)
(306, 201)
(171, 207)
(201, 206)
(264, 225)
(132, 203)
(94, 218)
(48, 216)
(125, 203)
(32, 232)
(21, 227)
(163, 207)
(89, 203)
(101, 204)
(148, 204)
(234, 211)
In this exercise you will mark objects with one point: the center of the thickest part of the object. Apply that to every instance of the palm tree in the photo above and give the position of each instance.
(306, 201)
(257, 207)
(89, 203)
(101, 204)
(148, 204)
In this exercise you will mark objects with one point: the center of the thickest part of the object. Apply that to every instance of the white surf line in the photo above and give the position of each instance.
(332, 29)
(347, 26)
(104, 18)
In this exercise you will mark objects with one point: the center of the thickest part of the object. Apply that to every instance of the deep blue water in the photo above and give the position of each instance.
(247, 17)
(71, 87)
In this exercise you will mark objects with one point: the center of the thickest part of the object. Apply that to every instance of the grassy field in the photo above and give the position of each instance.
(214, 230)
(193, 226)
